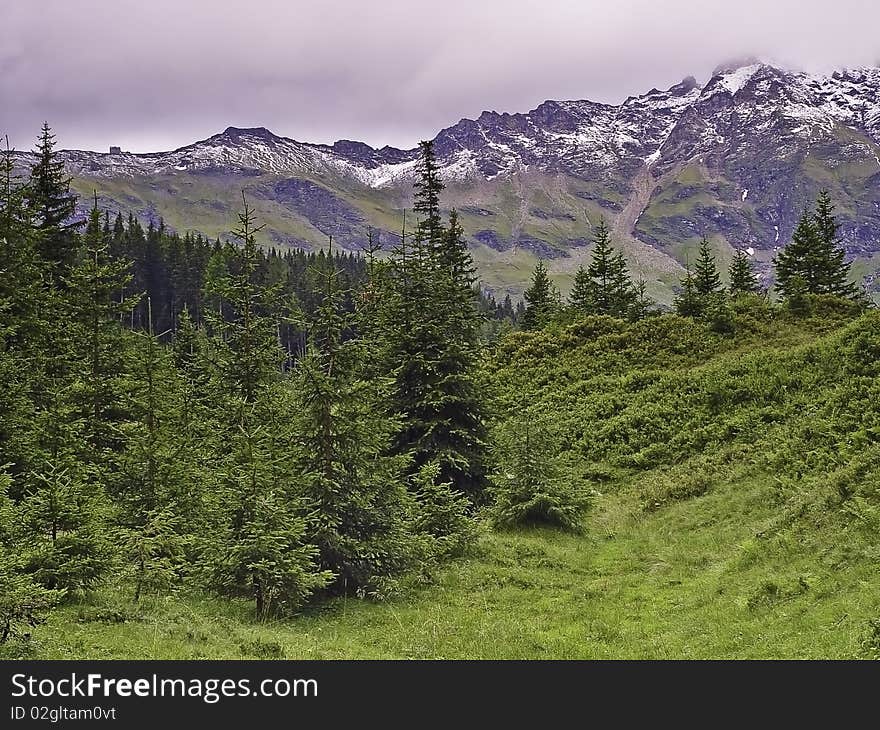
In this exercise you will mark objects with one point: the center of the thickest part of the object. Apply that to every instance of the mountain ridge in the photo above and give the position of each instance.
(736, 158)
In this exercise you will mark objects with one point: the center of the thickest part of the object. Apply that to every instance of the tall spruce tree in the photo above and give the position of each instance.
(24, 603)
(430, 334)
(833, 271)
(257, 547)
(157, 490)
(461, 443)
(813, 262)
(428, 187)
(64, 516)
(797, 265)
(742, 276)
(26, 318)
(688, 302)
(541, 299)
(100, 343)
(642, 303)
(601, 272)
(605, 286)
(581, 297)
(246, 317)
(623, 294)
(707, 280)
(53, 206)
(356, 490)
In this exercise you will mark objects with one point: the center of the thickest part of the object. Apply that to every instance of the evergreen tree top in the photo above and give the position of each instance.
(706, 278)
(427, 189)
(742, 277)
(814, 260)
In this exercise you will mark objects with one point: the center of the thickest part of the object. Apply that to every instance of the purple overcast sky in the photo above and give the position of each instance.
(160, 74)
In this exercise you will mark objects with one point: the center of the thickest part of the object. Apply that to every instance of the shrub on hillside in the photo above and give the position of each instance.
(442, 515)
(533, 485)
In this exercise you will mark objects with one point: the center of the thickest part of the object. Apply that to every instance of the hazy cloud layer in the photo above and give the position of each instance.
(157, 75)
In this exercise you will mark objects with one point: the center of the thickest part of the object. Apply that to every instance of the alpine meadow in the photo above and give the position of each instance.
(229, 448)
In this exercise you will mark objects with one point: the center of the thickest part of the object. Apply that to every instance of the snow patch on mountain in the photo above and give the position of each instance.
(735, 80)
(581, 138)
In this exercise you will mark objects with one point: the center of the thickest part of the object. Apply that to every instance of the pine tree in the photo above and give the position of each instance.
(356, 490)
(622, 293)
(428, 187)
(155, 553)
(689, 303)
(605, 286)
(533, 485)
(64, 518)
(601, 272)
(706, 279)
(99, 342)
(156, 487)
(813, 262)
(23, 602)
(833, 274)
(459, 441)
(541, 300)
(189, 351)
(247, 317)
(581, 297)
(798, 265)
(641, 303)
(428, 326)
(259, 550)
(742, 277)
(26, 319)
(257, 546)
(53, 207)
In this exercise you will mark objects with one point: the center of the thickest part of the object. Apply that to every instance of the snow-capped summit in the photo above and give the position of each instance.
(738, 156)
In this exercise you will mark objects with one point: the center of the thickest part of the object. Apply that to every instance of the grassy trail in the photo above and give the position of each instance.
(678, 583)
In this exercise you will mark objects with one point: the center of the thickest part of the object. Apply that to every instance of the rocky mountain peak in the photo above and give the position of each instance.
(243, 134)
(737, 158)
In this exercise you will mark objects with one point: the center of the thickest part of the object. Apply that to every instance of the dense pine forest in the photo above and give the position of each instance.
(245, 442)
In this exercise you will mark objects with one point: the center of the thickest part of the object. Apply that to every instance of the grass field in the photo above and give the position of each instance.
(682, 582)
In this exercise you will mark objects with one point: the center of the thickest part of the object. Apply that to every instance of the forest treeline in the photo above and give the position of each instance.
(812, 265)
(271, 427)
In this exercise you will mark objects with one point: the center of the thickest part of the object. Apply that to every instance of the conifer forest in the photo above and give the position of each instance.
(231, 448)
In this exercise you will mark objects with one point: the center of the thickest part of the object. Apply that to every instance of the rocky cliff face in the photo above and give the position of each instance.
(737, 158)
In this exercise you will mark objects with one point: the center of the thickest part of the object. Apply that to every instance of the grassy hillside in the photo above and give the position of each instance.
(736, 513)
(529, 215)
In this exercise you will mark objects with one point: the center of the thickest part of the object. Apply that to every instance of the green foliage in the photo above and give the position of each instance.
(288, 449)
(707, 280)
(718, 313)
(605, 286)
(155, 555)
(355, 488)
(259, 549)
(533, 485)
(426, 328)
(742, 277)
(814, 261)
(52, 206)
(250, 355)
(23, 602)
(689, 303)
(702, 296)
(62, 517)
(442, 515)
(542, 299)
(96, 360)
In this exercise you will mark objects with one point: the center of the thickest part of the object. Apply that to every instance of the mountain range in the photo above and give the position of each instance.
(737, 158)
